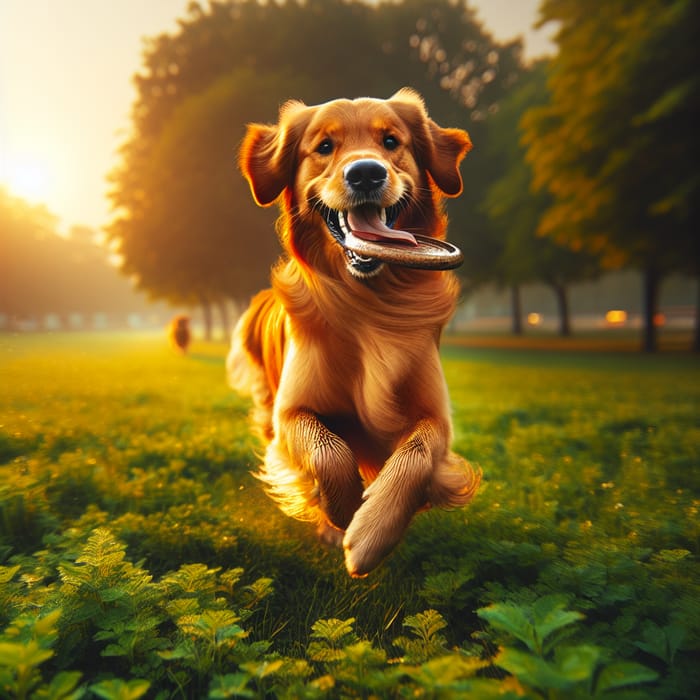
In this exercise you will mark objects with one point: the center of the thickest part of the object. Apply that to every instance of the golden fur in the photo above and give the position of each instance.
(343, 366)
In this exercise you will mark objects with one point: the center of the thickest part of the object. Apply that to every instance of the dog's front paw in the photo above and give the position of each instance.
(373, 533)
(337, 480)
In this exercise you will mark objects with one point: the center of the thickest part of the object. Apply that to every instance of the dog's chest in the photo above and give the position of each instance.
(374, 374)
(390, 364)
(362, 374)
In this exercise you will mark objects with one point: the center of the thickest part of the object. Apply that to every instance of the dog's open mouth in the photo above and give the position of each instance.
(368, 239)
(371, 224)
(367, 223)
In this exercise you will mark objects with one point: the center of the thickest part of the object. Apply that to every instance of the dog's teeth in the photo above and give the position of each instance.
(343, 221)
(382, 215)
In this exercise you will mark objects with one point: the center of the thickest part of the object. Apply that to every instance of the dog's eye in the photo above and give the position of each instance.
(325, 147)
(391, 143)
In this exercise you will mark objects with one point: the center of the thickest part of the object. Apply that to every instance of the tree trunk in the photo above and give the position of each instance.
(651, 285)
(206, 316)
(516, 307)
(225, 318)
(560, 292)
(696, 330)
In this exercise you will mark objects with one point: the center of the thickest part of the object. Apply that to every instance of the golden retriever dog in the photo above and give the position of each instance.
(341, 355)
(179, 333)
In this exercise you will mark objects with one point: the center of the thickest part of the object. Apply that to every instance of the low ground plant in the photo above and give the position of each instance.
(139, 557)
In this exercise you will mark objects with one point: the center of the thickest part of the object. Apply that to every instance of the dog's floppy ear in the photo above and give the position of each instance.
(439, 150)
(268, 152)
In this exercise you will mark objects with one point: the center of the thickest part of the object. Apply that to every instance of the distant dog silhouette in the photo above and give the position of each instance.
(179, 333)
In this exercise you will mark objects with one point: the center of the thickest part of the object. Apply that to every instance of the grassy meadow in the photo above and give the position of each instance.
(139, 557)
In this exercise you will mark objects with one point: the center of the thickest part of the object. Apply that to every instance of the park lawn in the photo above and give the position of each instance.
(139, 557)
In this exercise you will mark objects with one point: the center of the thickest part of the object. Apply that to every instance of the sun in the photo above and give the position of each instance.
(26, 177)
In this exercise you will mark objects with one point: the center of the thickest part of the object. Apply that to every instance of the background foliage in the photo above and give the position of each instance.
(613, 145)
(177, 194)
(608, 124)
(583, 162)
(43, 273)
(138, 558)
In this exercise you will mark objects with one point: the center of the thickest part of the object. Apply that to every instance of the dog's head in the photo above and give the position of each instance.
(368, 168)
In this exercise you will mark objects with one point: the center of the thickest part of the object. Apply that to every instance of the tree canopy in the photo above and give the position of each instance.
(617, 143)
(191, 233)
(184, 222)
(515, 210)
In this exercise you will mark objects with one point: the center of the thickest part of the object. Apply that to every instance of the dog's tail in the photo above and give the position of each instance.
(254, 363)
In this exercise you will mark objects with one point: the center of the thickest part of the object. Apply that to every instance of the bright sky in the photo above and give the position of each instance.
(66, 91)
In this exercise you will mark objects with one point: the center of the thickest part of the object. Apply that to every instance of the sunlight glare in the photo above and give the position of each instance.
(27, 177)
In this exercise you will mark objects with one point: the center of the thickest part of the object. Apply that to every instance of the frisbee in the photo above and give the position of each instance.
(428, 254)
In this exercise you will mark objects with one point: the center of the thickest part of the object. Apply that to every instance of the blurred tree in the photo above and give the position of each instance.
(28, 248)
(617, 144)
(193, 234)
(43, 273)
(465, 76)
(515, 210)
(184, 221)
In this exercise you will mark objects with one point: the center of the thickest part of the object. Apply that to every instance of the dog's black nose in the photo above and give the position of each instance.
(365, 175)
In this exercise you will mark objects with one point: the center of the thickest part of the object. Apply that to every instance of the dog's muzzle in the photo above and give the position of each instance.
(365, 181)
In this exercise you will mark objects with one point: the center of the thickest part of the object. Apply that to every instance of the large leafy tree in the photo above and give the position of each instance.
(515, 210)
(192, 234)
(466, 76)
(617, 144)
(184, 221)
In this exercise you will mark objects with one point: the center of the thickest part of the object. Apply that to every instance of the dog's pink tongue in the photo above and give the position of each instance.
(366, 223)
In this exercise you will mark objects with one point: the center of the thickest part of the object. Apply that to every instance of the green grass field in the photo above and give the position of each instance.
(139, 558)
